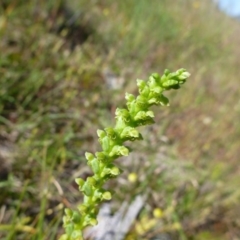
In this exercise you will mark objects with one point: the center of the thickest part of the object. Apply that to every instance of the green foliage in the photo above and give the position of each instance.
(112, 139)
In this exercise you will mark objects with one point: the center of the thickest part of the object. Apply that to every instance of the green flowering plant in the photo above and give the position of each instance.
(112, 141)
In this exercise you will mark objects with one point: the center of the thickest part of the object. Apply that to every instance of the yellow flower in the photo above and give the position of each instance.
(157, 213)
(132, 177)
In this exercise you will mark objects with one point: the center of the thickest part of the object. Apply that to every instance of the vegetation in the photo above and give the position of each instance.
(59, 64)
(112, 139)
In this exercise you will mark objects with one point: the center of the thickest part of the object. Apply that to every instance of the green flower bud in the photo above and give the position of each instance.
(141, 103)
(142, 116)
(129, 97)
(123, 113)
(66, 220)
(105, 173)
(97, 195)
(69, 229)
(101, 133)
(68, 212)
(91, 181)
(170, 83)
(92, 221)
(89, 156)
(164, 78)
(141, 84)
(115, 171)
(76, 217)
(101, 156)
(130, 100)
(166, 72)
(185, 75)
(156, 76)
(120, 124)
(87, 188)
(119, 151)
(130, 133)
(80, 182)
(107, 196)
(152, 83)
(157, 90)
(105, 142)
(95, 164)
(111, 133)
(76, 235)
(153, 101)
(143, 88)
(64, 236)
(82, 209)
(163, 100)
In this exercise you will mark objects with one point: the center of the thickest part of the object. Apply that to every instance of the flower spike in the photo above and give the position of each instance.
(111, 139)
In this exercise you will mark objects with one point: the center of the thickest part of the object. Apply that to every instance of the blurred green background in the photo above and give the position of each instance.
(65, 67)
